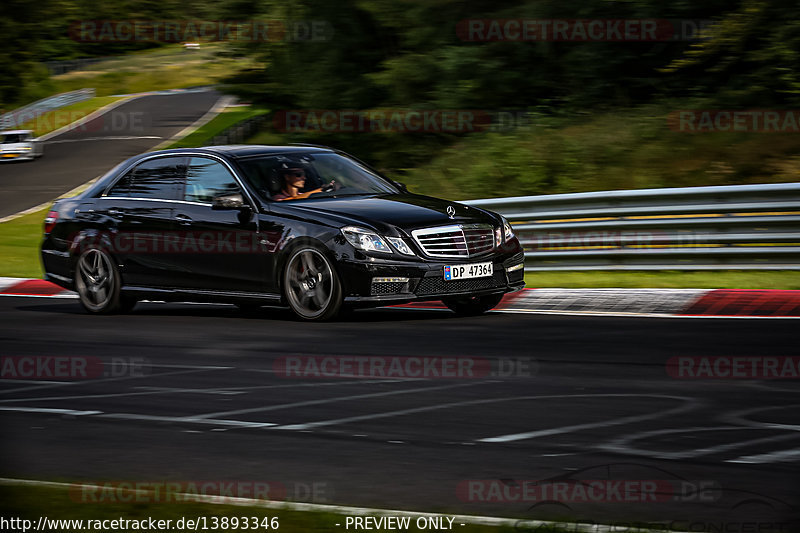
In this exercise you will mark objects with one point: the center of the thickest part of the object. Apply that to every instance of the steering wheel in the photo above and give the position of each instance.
(330, 187)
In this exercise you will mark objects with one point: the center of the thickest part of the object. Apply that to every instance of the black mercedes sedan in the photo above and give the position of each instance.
(304, 226)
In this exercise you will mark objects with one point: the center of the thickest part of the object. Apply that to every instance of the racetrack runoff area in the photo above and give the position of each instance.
(180, 393)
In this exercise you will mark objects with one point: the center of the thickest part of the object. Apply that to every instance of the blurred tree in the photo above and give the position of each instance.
(750, 57)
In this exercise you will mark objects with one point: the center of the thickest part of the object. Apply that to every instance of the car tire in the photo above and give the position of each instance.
(98, 283)
(473, 305)
(311, 285)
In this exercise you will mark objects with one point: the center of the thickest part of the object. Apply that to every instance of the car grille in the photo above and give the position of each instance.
(433, 285)
(462, 240)
(385, 289)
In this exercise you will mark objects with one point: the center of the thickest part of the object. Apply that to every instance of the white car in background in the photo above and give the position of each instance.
(16, 145)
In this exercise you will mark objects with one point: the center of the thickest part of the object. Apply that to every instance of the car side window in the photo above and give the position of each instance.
(158, 178)
(207, 178)
(122, 188)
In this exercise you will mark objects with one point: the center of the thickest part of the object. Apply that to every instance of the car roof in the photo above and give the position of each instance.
(15, 132)
(237, 151)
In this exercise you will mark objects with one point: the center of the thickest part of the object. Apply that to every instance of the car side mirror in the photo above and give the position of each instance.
(228, 201)
(401, 186)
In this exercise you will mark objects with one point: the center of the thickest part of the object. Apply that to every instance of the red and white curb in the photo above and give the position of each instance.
(682, 303)
(33, 287)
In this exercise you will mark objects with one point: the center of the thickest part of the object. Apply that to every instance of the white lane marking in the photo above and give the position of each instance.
(168, 390)
(623, 444)
(403, 412)
(50, 411)
(690, 404)
(133, 416)
(516, 523)
(771, 457)
(202, 367)
(187, 419)
(739, 417)
(175, 390)
(108, 138)
(86, 396)
(39, 381)
(338, 399)
(104, 380)
(772, 386)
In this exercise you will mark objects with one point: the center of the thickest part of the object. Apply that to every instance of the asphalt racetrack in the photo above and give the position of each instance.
(76, 156)
(567, 400)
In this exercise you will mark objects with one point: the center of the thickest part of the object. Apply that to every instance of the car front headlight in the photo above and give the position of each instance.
(508, 231)
(366, 240)
(400, 245)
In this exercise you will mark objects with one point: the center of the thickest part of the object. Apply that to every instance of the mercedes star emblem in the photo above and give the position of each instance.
(451, 211)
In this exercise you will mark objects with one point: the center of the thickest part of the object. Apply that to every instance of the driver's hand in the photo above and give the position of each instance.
(332, 186)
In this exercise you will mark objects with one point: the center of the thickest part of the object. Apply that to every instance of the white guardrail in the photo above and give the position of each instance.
(742, 227)
(18, 117)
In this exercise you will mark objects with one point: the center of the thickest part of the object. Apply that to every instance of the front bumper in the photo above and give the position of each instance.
(16, 156)
(420, 281)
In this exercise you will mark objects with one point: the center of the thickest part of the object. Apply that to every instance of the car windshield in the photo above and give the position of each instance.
(336, 174)
(10, 138)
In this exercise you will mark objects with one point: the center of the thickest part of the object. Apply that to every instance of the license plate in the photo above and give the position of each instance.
(475, 270)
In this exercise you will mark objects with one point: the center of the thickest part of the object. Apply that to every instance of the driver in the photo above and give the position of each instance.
(294, 179)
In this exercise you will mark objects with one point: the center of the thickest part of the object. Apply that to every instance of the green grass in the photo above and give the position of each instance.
(167, 67)
(58, 118)
(19, 246)
(170, 67)
(667, 279)
(30, 503)
(230, 117)
(628, 149)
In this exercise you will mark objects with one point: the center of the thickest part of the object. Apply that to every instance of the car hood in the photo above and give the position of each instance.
(404, 211)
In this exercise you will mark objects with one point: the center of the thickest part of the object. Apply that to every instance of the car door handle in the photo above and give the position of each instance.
(114, 212)
(184, 220)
